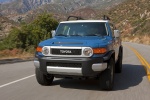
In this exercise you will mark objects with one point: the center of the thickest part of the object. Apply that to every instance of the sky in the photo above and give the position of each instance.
(4, 1)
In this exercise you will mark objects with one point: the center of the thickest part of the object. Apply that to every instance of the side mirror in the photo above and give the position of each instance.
(53, 33)
(116, 33)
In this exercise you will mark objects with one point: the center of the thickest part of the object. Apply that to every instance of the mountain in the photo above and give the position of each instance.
(27, 10)
(23, 6)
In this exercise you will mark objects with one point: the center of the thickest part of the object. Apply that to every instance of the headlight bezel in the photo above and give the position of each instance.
(45, 50)
(88, 52)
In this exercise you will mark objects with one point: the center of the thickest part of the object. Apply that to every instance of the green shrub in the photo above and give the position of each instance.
(29, 35)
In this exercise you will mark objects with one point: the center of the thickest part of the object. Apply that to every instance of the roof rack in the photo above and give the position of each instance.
(80, 18)
(106, 17)
(77, 18)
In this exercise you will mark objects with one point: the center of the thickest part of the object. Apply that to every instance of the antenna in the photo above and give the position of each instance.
(106, 17)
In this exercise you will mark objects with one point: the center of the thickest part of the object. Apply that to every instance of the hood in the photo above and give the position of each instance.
(87, 41)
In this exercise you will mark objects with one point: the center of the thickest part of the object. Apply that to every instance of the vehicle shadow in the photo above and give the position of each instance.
(131, 75)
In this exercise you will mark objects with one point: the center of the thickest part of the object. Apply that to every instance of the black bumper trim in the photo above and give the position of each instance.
(86, 63)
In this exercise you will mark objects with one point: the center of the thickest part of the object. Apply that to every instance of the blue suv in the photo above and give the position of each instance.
(80, 49)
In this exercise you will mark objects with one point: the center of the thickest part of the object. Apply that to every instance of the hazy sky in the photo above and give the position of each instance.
(4, 0)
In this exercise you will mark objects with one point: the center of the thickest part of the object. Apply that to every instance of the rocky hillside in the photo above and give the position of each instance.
(133, 19)
(132, 16)
(5, 26)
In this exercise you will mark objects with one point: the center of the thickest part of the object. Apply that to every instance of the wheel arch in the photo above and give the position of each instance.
(109, 55)
(121, 48)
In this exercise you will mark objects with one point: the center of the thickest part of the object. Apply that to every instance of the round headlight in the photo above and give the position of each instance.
(45, 50)
(88, 52)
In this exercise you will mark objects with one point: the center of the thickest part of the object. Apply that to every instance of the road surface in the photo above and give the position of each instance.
(17, 82)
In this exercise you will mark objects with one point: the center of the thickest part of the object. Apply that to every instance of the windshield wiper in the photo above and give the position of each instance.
(61, 35)
(75, 35)
(93, 35)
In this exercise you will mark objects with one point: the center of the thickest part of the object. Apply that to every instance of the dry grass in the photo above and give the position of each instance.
(15, 53)
(138, 39)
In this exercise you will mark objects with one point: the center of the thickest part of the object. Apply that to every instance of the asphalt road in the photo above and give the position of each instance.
(17, 82)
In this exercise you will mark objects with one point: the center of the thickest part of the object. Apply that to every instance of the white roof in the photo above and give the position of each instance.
(82, 21)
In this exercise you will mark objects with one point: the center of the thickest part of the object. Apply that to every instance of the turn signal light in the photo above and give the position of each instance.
(99, 50)
(39, 49)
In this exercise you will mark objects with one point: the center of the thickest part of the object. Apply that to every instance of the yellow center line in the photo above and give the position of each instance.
(142, 60)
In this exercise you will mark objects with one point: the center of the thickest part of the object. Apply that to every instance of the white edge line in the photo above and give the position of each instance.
(16, 81)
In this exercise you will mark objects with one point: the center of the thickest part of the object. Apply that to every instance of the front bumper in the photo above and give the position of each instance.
(70, 66)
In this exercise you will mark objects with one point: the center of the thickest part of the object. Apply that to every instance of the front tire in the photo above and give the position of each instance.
(43, 79)
(107, 77)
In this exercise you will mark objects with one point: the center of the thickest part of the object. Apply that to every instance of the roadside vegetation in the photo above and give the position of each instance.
(24, 39)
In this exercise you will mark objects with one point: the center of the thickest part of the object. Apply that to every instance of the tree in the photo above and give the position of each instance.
(13, 40)
(46, 23)
(29, 35)
(40, 29)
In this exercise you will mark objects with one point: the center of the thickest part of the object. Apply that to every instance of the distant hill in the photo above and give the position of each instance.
(27, 10)
(21, 6)
(63, 6)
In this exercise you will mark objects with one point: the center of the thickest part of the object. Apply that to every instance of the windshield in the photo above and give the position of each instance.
(82, 29)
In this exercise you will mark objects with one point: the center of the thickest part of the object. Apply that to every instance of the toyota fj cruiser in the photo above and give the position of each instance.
(80, 49)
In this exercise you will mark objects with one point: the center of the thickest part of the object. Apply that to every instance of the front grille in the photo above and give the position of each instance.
(59, 64)
(66, 51)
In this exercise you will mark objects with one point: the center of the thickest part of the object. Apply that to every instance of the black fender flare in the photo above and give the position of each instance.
(109, 55)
